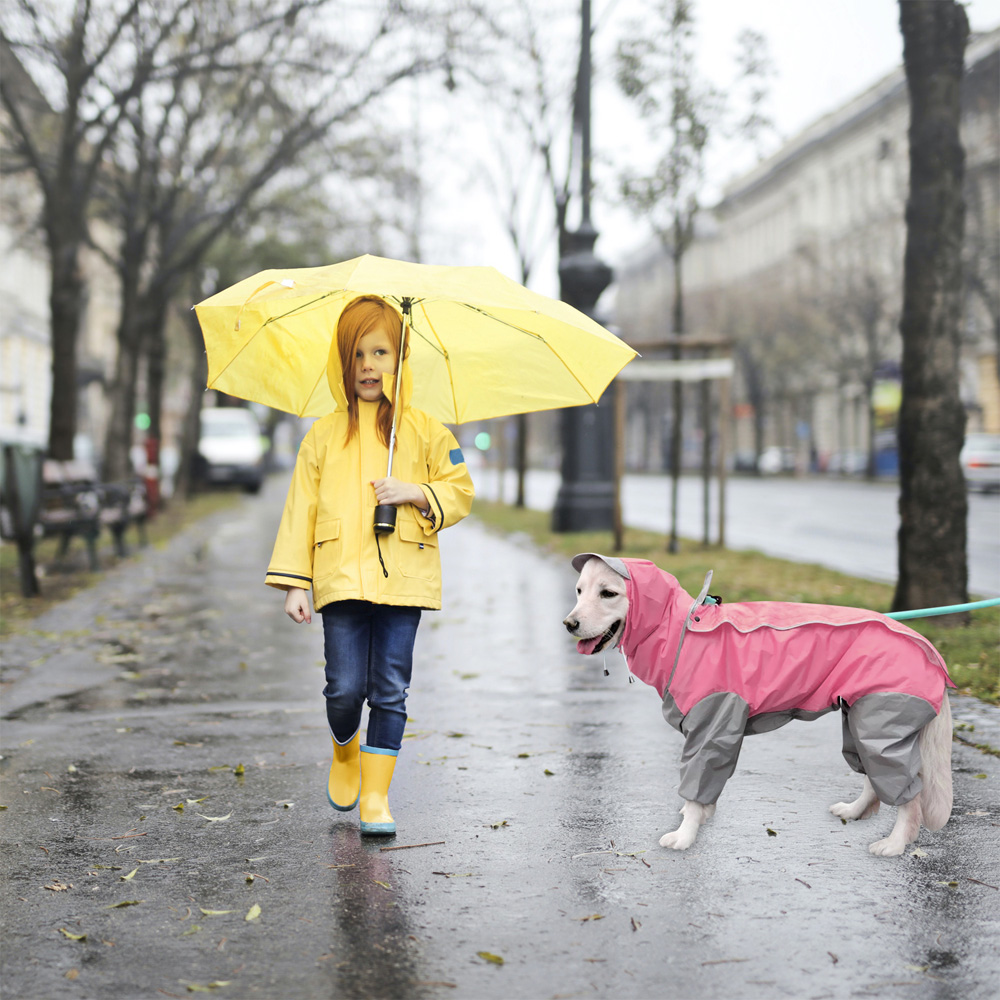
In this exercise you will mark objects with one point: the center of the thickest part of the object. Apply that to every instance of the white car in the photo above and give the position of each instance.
(230, 449)
(980, 458)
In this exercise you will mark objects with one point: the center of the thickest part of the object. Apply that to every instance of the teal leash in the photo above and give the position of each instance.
(951, 609)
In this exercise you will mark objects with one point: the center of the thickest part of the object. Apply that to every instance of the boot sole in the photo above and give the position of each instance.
(382, 829)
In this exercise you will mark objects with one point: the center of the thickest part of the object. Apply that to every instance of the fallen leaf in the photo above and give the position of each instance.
(385, 885)
(548, 772)
(156, 861)
(593, 916)
(980, 776)
(72, 937)
(520, 755)
(216, 819)
(195, 802)
(916, 968)
(179, 807)
(488, 956)
(772, 833)
(193, 929)
(129, 877)
(124, 902)
(253, 913)
(239, 769)
(917, 853)
(497, 825)
(204, 987)
(57, 886)
(72, 974)
(455, 874)
(214, 913)
(950, 885)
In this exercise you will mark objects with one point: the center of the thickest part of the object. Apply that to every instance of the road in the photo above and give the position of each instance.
(547, 783)
(844, 524)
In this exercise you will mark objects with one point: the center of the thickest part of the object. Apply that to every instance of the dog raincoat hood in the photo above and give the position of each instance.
(729, 670)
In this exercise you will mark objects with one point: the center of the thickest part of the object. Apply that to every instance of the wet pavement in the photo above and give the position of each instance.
(178, 681)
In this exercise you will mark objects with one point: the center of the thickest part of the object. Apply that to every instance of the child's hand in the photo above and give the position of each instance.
(297, 606)
(394, 492)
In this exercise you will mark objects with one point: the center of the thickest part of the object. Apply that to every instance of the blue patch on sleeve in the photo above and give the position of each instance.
(456, 456)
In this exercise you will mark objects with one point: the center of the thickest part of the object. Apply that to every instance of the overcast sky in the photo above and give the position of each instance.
(823, 53)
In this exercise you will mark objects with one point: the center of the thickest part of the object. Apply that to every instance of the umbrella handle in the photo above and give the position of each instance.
(385, 514)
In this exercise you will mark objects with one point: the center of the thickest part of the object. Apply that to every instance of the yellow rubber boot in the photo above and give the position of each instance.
(344, 784)
(377, 766)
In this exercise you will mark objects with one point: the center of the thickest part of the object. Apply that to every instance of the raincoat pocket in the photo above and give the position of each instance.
(327, 549)
(417, 552)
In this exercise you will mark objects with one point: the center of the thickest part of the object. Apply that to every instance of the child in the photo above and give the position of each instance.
(369, 588)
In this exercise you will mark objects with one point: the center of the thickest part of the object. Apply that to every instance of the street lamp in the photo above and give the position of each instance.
(586, 497)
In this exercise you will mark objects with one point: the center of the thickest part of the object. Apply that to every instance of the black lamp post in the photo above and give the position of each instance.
(586, 498)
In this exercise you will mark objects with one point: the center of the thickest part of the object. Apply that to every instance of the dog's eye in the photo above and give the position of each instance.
(608, 594)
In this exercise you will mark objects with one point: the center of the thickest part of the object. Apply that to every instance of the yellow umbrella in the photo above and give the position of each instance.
(481, 345)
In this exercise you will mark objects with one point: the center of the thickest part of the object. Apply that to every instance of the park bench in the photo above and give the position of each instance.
(65, 500)
(75, 504)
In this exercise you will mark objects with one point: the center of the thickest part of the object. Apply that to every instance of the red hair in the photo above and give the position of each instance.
(361, 316)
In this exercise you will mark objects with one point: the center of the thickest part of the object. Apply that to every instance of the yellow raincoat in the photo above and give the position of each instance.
(325, 539)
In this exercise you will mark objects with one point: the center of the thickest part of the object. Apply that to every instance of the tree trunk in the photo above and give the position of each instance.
(184, 482)
(118, 439)
(154, 337)
(66, 306)
(522, 456)
(933, 505)
(677, 427)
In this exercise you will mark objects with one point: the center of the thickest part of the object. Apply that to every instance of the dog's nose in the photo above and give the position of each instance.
(571, 624)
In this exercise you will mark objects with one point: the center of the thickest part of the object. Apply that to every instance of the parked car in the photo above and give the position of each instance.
(774, 460)
(980, 458)
(230, 449)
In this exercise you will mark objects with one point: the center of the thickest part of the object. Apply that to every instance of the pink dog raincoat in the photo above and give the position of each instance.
(726, 671)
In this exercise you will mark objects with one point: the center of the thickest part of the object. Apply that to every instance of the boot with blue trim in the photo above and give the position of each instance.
(343, 787)
(377, 765)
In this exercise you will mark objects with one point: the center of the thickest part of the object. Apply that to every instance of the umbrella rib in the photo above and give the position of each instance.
(536, 336)
(447, 361)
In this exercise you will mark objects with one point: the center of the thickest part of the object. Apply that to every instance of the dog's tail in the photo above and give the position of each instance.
(935, 757)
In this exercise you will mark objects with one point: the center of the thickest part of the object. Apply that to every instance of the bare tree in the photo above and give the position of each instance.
(655, 65)
(216, 145)
(933, 506)
(89, 73)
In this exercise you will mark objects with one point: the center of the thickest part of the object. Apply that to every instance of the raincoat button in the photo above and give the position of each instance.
(696, 618)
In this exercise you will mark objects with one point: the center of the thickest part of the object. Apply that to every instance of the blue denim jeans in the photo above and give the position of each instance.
(369, 655)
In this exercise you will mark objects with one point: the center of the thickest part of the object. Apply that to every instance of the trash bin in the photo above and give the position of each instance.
(21, 498)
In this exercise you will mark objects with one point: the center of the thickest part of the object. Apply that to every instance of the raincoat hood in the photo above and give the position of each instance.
(658, 606)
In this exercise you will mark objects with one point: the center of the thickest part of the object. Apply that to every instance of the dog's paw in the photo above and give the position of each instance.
(889, 847)
(859, 809)
(679, 840)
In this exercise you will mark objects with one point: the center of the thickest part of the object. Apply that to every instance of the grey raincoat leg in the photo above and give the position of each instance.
(885, 730)
(713, 735)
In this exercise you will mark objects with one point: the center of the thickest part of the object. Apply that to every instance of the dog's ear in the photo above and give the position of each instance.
(580, 560)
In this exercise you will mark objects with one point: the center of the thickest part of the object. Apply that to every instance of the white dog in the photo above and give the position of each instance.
(730, 670)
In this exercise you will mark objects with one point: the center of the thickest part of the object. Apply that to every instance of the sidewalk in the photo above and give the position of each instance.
(177, 681)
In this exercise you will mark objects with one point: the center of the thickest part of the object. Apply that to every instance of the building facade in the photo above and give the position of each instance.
(801, 266)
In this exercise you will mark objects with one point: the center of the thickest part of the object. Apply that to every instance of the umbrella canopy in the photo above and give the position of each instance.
(481, 345)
